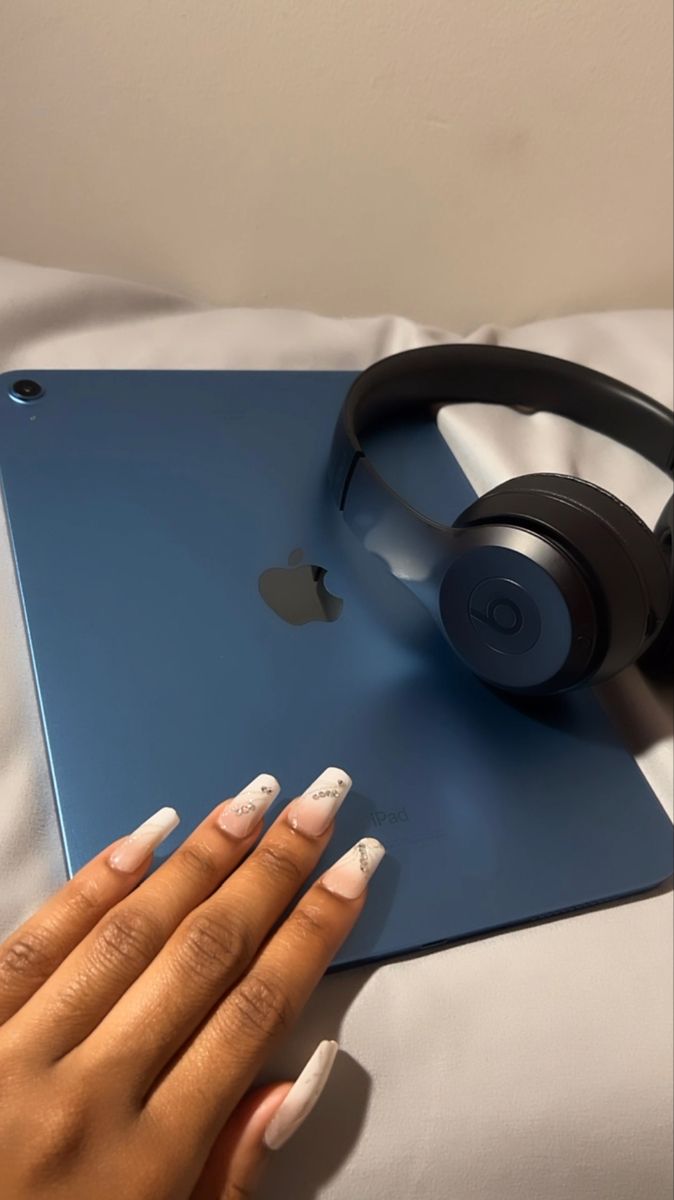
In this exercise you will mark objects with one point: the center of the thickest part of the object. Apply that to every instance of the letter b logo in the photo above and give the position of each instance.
(504, 616)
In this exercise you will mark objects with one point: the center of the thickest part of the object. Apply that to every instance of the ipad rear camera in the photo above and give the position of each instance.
(26, 390)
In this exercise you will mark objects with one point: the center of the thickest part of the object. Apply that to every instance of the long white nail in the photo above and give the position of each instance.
(138, 845)
(302, 1097)
(351, 874)
(240, 816)
(315, 809)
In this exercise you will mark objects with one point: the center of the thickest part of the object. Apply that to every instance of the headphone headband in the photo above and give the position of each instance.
(538, 602)
(418, 383)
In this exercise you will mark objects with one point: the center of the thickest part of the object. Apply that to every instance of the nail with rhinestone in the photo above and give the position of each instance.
(242, 815)
(351, 874)
(314, 811)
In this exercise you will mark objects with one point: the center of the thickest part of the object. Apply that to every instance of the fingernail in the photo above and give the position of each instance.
(135, 848)
(315, 810)
(302, 1097)
(351, 874)
(241, 815)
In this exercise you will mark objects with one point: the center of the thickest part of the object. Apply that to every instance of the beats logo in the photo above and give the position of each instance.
(504, 616)
(500, 614)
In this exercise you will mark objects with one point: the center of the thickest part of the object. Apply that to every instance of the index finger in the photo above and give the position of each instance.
(33, 952)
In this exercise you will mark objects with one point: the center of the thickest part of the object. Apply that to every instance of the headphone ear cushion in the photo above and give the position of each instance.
(658, 660)
(617, 552)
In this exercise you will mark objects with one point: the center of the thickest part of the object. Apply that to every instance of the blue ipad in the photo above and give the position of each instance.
(198, 612)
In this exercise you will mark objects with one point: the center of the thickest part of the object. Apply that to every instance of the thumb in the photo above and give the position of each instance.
(264, 1121)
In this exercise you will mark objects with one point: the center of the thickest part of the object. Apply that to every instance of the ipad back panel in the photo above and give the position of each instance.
(168, 530)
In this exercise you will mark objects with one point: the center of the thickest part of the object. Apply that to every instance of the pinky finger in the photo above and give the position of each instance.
(33, 952)
(264, 1120)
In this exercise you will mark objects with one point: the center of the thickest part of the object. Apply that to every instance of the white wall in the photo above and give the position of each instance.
(455, 160)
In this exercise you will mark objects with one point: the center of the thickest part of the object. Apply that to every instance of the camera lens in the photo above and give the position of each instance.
(26, 390)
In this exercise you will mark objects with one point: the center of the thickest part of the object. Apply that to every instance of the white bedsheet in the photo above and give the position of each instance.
(535, 1065)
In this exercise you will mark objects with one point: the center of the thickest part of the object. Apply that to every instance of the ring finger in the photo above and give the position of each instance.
(193, 1100)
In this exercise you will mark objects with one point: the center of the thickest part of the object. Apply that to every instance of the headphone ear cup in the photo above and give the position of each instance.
(616, 552)
(658, 661)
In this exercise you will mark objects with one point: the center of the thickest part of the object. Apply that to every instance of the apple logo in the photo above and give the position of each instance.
(297, 593)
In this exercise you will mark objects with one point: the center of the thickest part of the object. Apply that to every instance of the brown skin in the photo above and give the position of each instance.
(135, 1016)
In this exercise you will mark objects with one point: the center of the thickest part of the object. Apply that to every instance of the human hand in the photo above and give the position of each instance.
(135, 1016)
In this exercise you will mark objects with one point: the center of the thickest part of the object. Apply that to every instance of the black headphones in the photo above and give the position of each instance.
(547, 582)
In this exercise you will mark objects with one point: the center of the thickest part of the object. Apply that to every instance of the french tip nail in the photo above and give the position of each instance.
(169, 815)
(302, 1097)
(135, 848)
(350, 875)
(313, 811)
(242, 815)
